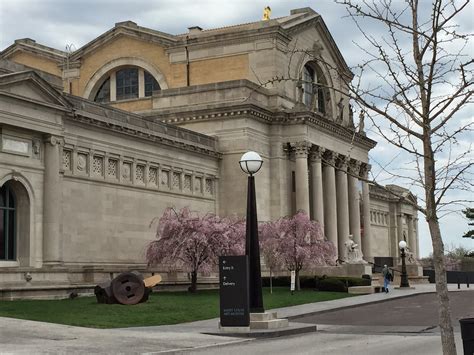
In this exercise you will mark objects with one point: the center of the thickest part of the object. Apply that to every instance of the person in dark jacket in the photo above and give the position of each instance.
(387, 277)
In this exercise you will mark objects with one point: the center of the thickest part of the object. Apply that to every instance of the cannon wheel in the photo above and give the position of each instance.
(128, 288)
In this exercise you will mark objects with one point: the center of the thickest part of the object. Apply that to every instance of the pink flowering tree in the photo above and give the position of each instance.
(186, 240)
(299, 243)
(269, 249)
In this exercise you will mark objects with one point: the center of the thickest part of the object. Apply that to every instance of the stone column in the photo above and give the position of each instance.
(411, 236)
(354, 200)
(329, 198)
(317, 183)
(399, 234)
(301, 176)
(342, 205)
(52, 191)
(366, 238)
(113, 87)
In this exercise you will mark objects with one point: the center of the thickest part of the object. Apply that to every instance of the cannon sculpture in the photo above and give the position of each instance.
(126, 288)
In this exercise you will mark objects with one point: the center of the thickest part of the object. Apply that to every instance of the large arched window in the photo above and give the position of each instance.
(129, 83)
(315, 88)
(7, 223)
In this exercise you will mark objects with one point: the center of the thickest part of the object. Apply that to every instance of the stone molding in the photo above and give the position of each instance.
(90, 113)
(54, 140)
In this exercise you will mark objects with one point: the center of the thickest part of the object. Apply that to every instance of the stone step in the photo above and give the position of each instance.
(259, 317)
(269, 324)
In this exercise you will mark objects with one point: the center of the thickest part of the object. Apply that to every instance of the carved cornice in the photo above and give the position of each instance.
(134, 125)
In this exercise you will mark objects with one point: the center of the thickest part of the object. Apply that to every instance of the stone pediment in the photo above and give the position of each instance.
(129, 29)
(29, 86)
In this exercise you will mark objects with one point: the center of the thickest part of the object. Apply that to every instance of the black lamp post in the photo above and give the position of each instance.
(404, 279)
(251, 163)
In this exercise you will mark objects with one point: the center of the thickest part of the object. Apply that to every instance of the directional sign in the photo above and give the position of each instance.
(234, 291)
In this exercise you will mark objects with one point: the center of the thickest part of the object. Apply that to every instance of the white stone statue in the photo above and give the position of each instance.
(409, 256)
(353, 253)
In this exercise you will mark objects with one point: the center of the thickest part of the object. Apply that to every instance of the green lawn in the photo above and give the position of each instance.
(161, 308)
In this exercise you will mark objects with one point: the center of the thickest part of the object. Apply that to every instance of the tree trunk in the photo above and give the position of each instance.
(297, 280)
(444, 313)
(193, 287)
(271, 283)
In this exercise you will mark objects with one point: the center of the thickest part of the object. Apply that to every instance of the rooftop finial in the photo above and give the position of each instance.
(267, 11)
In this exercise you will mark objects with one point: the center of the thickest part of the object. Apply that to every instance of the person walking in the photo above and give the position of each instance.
(387, 277)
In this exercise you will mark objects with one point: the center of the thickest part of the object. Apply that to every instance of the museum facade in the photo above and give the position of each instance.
(97, 142)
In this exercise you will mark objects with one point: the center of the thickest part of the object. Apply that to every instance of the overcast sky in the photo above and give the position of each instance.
(58, 23)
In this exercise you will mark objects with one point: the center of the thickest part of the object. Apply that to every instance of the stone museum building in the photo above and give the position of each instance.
(97, 142)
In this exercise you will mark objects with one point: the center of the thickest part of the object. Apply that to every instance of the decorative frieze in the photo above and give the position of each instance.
(152, 176)
(187, 183)
(127, 171)
(67, 160)
(81, 165)
(89, 164)
(98, 165)
(140, 174)
(112, 168)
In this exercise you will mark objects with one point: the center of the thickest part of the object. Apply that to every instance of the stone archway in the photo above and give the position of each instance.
(18, 221)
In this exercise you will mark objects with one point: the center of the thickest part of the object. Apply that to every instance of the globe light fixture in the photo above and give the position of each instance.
(250, 163)
(404, 279)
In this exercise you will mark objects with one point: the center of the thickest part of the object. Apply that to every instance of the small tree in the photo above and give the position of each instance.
(193, 243)
(269, 249)
(299, 243)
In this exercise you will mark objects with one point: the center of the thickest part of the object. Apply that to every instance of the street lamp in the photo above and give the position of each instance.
(250, 163)
(404, 279)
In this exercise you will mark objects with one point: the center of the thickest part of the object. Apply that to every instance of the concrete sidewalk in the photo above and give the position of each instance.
(29, 337)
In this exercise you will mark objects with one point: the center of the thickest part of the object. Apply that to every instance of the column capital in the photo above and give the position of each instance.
(342, 162)
(316, 154)
(354, 167)
(301, 149)
(54, 140)
(330, 157)
(364, 170)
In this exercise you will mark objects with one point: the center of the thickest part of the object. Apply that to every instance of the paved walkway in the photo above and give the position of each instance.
(29, 337)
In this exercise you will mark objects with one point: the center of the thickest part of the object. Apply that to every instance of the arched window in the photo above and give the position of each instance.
(315, 89)
(130, 83)
(103, 95)
(150, 84)
(7, 223)
(127, 83)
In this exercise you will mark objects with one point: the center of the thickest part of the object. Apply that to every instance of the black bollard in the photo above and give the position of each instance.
(467, 281)
(459, 283)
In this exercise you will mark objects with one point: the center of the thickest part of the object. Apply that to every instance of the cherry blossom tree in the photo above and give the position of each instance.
(299, 243)
(192, 242)
(269, 249)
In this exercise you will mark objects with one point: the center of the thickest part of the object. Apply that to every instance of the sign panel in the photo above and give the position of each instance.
(234, 291)
(292, 286)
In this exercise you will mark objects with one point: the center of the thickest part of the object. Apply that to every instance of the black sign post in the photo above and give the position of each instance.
(234, 291)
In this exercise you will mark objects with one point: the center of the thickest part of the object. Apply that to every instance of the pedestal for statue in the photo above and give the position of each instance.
(352, 270)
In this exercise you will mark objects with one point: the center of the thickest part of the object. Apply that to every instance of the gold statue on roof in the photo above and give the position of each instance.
(267, 11)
